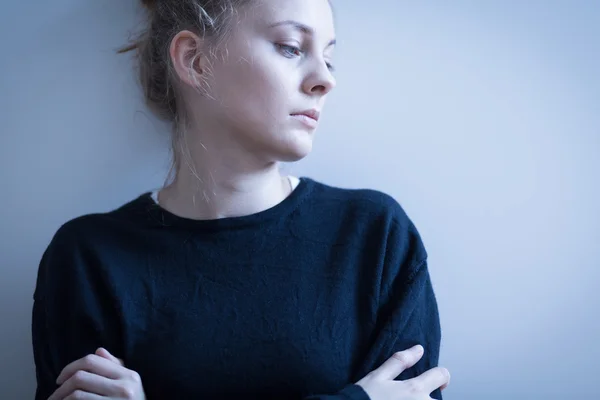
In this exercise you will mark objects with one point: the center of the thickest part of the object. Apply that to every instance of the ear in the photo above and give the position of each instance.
(188, 54)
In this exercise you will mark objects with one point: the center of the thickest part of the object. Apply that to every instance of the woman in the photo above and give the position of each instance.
(234, 281)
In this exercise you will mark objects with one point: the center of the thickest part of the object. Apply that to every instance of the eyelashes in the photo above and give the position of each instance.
(290, 51)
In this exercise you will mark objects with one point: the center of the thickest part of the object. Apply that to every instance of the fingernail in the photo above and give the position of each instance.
(419, 349)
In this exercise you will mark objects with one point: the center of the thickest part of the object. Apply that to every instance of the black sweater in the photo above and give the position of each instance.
(301, 300)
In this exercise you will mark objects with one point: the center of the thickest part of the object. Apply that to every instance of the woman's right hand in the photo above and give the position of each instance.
(380, 384)
(98, 376)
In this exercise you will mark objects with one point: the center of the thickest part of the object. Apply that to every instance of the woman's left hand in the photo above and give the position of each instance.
(98, 376)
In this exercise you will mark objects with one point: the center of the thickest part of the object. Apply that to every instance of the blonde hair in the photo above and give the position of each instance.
(210, 19)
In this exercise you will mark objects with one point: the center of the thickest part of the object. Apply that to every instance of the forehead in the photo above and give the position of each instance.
(315, 14)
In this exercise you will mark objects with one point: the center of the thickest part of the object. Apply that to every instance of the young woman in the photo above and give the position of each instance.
(234, 281)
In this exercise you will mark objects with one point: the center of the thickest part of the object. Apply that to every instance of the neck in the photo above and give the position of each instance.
(222, 187)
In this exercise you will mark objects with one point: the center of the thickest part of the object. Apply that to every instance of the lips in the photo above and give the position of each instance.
(305, 120)
(312, 114)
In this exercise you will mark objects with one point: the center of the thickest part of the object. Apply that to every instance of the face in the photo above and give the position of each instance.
(269, 82)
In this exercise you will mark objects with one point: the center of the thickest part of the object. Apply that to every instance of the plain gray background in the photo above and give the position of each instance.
(481, 117)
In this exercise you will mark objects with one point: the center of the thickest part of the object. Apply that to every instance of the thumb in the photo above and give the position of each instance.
(399, 362)
(102, 352)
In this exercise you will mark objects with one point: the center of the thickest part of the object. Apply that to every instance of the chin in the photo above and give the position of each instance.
(296, 149)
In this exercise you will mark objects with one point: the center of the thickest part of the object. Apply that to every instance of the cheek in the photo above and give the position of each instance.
(256, 89)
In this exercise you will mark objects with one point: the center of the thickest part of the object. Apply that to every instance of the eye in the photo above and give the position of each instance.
(289, 51)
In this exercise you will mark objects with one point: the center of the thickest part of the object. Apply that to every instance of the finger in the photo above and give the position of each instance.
(91, 363)
(432, 379)
(399, 362)
(86, 382)
(102, 352)
(81, 395)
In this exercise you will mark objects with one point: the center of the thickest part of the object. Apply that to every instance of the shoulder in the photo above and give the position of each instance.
(371, 203)
(96, 226)
(77, 244)
(374, 213)
(79, 237)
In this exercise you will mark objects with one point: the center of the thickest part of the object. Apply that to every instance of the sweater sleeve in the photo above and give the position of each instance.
(350, 392)
(408, 317)
(407, 314)
(408, 311)
(71, 316)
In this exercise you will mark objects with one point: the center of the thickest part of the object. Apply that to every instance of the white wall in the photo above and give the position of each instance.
(481, 117)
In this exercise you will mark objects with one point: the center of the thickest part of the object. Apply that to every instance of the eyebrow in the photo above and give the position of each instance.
(301, 27)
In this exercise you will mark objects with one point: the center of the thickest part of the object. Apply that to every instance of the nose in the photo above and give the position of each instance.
(320, 81)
